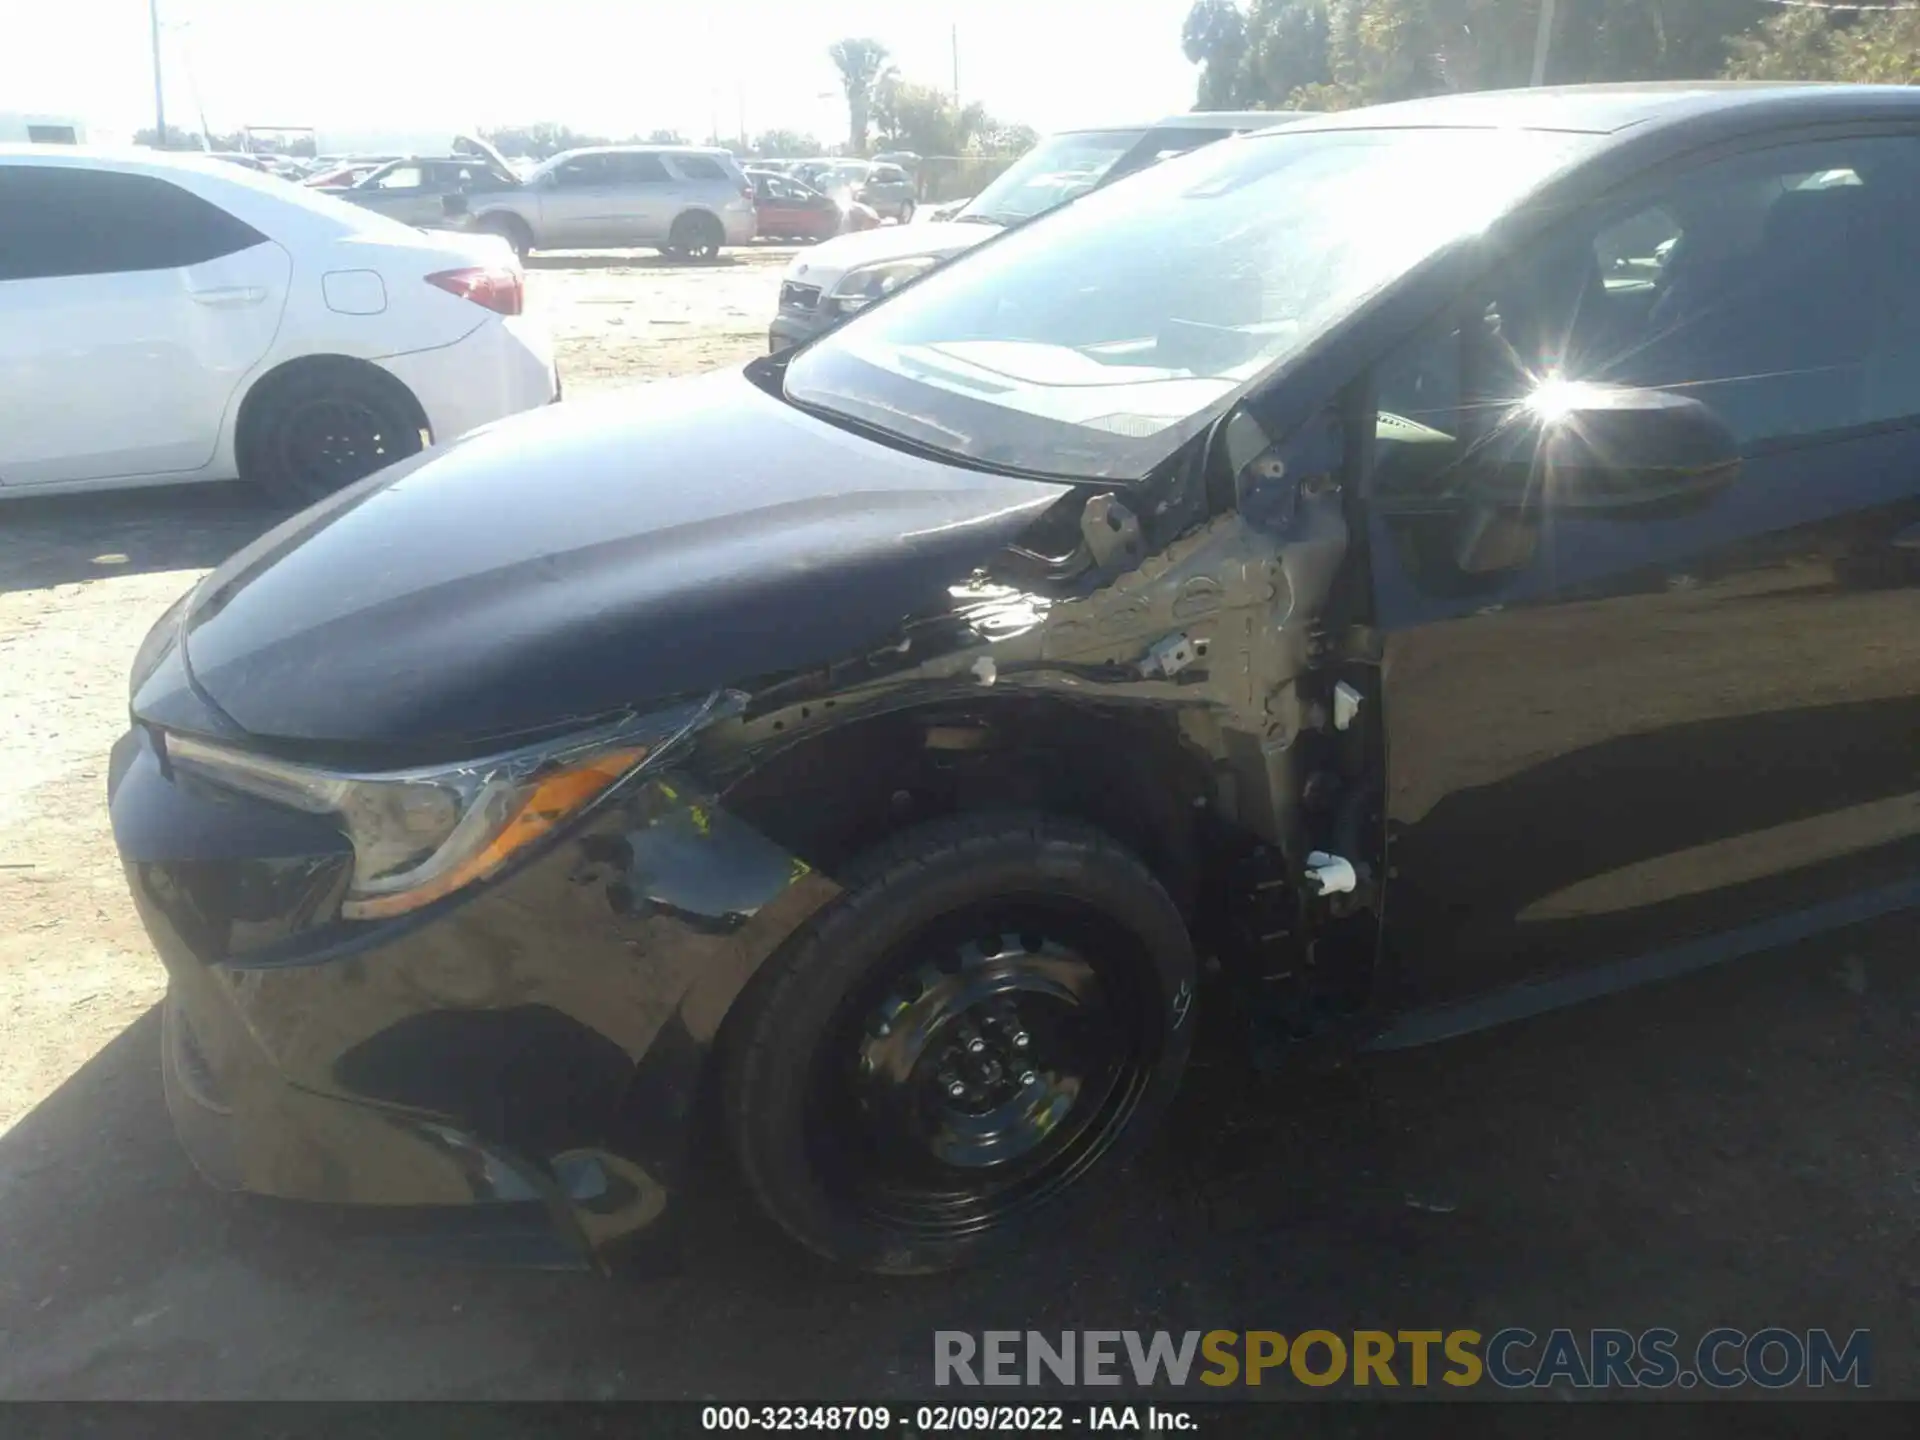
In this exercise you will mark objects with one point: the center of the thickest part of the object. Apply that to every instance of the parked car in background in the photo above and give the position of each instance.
(854, 781)
(342, 174)
(784, 209)
(170, 318)
(256, 163)
(682, 200)
(945, 210)
(833, 280)
(890, 190)
(427, 191)
(812, 172)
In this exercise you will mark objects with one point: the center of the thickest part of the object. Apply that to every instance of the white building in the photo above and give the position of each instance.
(19, 126)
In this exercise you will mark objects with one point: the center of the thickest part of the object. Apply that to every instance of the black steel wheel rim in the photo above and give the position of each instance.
(330, 441)
(990, 1062)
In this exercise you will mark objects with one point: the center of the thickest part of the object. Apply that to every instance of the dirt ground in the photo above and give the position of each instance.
(1737, 1148)
(81, 580)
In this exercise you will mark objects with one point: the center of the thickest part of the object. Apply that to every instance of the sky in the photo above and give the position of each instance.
(615, 67)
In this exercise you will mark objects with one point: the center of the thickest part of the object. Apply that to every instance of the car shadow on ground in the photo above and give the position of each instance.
(63, 539)
(1738, 1148)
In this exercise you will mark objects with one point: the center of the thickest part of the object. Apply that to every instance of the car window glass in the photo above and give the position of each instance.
(699, 167)
(1775, 287)
(401, 177)
(60, 220)
(1056, 170)
(1165, 144)
(638, 169)
(580, 171)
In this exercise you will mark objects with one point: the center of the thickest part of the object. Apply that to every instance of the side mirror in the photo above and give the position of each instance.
(1609, 449)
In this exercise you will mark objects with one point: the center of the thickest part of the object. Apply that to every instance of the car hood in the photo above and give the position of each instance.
(825, 263)
(572, 562)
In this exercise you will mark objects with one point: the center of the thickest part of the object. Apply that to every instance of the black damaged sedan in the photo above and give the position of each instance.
(1370, 580)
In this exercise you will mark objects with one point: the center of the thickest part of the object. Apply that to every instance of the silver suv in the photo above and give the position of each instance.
(681, 200)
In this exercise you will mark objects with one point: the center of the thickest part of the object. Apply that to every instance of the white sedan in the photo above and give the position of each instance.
(166, 319)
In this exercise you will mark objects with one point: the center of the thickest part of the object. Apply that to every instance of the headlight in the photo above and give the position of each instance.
(422, 834)
(864, 285)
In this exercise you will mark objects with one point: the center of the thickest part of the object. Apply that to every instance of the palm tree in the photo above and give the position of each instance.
(860, 63)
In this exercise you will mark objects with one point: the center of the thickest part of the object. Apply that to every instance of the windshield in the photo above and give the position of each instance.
(1052, 173)
(1091, 344)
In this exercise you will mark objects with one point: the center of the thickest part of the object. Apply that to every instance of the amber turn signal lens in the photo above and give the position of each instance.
(547, 802)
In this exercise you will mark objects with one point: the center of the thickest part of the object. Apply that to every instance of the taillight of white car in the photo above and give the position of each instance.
(500, 288)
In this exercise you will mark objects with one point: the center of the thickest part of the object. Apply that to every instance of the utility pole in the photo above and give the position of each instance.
(159, 91)
(1543, 42)
(956, 67)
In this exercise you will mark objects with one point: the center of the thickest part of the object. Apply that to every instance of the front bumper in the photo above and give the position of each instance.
(534, 1047)
(792, 328)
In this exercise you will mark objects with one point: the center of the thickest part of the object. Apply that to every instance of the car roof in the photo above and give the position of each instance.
(1615, 108)
(716, 150)
(128, 157)
(1228, 119)
(1195, 120)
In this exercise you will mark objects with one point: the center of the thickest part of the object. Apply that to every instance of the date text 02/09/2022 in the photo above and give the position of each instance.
(947, 1419)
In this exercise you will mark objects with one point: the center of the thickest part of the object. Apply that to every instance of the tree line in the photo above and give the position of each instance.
(1338, 54)
(886, 111)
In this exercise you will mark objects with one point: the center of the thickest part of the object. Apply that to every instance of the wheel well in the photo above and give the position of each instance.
(697, 213)
(311, 370)
(503, 222)
(834, 795)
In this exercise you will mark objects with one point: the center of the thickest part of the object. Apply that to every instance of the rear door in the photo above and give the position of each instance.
(1663, 737)
(580, 208)
(704, 184)
(130, 309)
(650, 197)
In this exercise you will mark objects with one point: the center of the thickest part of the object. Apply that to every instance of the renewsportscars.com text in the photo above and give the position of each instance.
(1514, 1358)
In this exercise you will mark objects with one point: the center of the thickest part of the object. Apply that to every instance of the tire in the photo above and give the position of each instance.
(696, 236)
(905, 216)
(316, 431)
(1006, 941)
(512, 229)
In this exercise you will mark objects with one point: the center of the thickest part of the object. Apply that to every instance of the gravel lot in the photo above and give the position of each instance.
(1739, 1148)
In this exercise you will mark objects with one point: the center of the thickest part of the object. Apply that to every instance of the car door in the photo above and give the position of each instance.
(646, 198)
(699, 182)
(578, 204)
(402, 192)
(775, 212)
(130, 309)
(1659, 738)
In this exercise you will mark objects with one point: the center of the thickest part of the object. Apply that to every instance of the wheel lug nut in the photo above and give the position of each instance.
(976, 1045)
(956, 1089)
(1020, 1038)
(1029, 1077)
